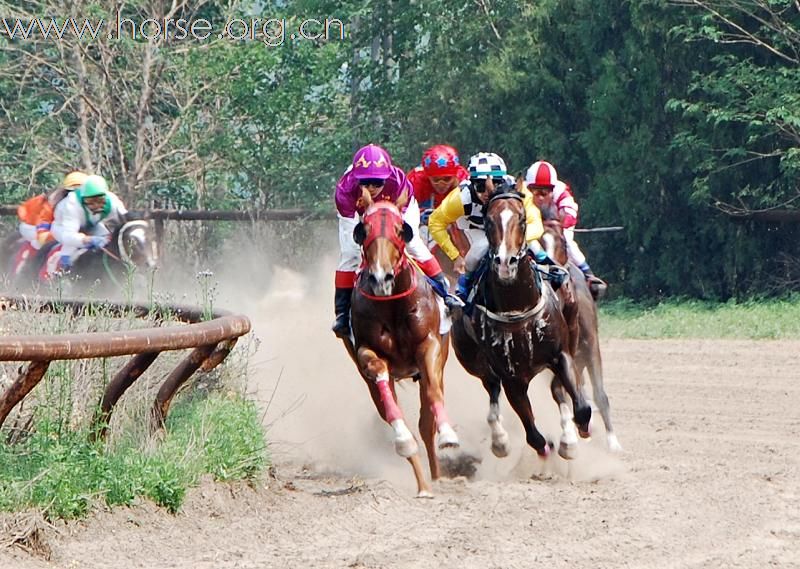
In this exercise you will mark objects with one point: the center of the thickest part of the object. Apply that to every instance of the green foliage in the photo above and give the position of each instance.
(64, 474)
(755, 319)
(655, 112)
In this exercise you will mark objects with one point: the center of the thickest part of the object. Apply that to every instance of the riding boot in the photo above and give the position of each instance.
(341, 302)
(464, 285)
(597, 286)
(450, 301)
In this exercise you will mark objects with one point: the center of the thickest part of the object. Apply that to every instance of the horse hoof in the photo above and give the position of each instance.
(567, 451)
(585, 433)
(406, 447)
(500, 446)
(545, 451)
(447, 437)
(613, 443)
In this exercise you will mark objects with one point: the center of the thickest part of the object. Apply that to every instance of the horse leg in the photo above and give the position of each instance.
(500, 441)
(430, 360)
(565, 372)
(517, 394)
(376, 373)
(595, 369)
(568, 445)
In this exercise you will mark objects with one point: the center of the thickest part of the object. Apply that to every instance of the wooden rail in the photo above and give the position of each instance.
(212, 341)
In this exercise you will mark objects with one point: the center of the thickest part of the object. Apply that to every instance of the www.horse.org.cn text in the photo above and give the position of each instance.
(272, 32)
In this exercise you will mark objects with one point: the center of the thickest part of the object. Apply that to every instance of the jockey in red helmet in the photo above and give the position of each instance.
(439, 173)
(551, 194)
(372, 170)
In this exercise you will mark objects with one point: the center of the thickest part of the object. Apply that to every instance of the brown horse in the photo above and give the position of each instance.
(517, 329)
(396, 321)
(587, 340)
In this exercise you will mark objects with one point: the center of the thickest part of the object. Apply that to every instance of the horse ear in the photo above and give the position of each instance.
(360, 233)
(407, 232)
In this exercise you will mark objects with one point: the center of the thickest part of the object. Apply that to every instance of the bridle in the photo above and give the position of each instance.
(383, 218)
(523, 251)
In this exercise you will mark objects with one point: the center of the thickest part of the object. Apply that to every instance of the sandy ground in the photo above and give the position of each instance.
(710, 476)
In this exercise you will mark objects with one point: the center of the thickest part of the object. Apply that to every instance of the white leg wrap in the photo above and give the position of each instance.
(404, 443)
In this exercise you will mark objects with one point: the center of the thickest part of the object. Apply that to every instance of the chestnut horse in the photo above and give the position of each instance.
(395, 320)
(587, 341)
(517, 329)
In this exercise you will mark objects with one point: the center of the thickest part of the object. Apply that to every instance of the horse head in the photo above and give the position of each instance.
(505, 223)
(135, 244)
(554, 242)
(382, 235)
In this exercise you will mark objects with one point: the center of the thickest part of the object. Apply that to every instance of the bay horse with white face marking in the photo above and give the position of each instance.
(587, 338)
(517, 329)
(395, 319)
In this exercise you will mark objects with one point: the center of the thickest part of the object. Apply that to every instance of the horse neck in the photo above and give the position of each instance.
(519, 294)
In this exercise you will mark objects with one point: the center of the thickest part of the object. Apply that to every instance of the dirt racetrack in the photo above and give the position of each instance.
(710, 476)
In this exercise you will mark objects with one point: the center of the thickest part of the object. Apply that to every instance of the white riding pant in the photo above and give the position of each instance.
(350, 256)
(574, 252)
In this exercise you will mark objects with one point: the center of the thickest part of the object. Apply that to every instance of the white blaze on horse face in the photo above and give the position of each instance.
(504, 269)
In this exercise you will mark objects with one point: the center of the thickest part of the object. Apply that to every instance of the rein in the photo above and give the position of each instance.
(515, 316)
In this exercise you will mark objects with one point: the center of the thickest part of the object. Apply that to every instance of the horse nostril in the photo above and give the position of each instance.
(496, 260)
(389, 278)
(513, 261)
(372, 279)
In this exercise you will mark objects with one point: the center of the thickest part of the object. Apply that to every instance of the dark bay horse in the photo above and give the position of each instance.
(517, 329)
(131, 250)
(395, 319)
(586, 343)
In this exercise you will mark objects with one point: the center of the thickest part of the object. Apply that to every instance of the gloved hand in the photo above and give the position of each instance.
(64, 263)
(542, 258)
(96, 242)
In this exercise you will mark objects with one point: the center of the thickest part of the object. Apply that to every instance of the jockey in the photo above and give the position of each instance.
(465, 205)
(372, 170)
(440, 173)
(44, 219)
(79, 222)
(34, 216)
(552, 194)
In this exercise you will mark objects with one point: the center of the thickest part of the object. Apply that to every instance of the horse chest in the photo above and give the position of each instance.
(519, 351)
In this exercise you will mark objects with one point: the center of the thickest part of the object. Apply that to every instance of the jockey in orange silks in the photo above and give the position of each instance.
(372, 170)
(35, 217)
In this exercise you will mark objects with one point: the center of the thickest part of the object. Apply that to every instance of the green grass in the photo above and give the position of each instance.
(753, 319)
(63, 474)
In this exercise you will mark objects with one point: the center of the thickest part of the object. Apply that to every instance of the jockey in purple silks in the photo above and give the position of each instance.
(372, 170)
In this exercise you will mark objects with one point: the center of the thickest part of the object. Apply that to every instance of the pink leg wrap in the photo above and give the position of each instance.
(390, 407)
(439, 414)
